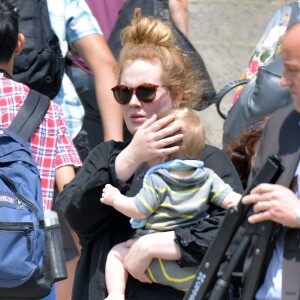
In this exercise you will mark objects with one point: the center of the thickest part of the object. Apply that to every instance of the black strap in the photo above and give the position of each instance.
(224, 91)
(30, 115)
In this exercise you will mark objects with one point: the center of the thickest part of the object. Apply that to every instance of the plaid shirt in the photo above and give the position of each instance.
(71, 20)
(50, 144)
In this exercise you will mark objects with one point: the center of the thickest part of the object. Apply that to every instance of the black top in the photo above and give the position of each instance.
(99, 226)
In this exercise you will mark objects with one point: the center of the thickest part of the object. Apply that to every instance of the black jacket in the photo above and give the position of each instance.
(99, 226)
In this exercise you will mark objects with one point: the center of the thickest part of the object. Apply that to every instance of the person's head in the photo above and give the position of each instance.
(193, 132)
(291, 63)
(242, 151)
(154, 74)
(11, 41)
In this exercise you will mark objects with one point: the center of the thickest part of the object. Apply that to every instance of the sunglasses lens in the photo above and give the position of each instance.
(122, 94)
(146, 92)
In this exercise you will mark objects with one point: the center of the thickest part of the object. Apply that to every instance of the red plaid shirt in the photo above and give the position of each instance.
(51, 145)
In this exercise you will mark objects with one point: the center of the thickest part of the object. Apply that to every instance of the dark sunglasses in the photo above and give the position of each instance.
(145, 92)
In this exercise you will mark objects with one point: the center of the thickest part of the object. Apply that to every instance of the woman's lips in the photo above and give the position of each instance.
(137, 118)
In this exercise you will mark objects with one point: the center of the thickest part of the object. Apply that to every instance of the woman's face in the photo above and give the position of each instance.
(136, 112)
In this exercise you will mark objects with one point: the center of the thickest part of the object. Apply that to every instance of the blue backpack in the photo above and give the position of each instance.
(22, 229)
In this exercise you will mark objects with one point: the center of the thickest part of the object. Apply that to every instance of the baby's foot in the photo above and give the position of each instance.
(115, 296)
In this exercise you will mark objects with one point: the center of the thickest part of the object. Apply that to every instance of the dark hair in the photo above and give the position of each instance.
(9, 29)
(241, 150)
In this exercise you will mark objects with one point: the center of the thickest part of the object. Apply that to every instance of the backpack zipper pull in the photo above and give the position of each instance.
(19, 203)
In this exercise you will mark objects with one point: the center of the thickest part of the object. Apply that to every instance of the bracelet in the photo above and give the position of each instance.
(298, 217)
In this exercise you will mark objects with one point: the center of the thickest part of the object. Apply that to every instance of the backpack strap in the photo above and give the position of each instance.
(30, 115)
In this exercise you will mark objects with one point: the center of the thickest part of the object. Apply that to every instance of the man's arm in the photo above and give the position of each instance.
(179, 14)
(64, 175)
(98, 57)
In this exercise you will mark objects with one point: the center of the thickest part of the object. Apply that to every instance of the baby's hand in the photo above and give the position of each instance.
(109, 195)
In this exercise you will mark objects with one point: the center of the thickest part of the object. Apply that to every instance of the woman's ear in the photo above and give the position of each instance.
(20, 44)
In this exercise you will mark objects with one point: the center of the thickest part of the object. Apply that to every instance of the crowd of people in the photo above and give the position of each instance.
(144, 204)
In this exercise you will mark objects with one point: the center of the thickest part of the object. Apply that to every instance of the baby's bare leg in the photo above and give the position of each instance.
(115, 274)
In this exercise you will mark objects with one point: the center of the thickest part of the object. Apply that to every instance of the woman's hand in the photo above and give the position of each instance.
(150, 141)
(142, 251)
(137, 261)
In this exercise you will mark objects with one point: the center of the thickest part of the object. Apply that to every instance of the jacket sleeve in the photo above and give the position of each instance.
(194, 240)
(80, 199)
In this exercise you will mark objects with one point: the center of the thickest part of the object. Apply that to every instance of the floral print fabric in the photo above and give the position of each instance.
(268, 46)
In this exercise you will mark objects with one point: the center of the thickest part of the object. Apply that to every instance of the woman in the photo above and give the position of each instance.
(153, 75)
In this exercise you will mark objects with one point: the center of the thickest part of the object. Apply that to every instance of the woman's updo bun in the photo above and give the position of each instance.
(152, 40)
(147, 30)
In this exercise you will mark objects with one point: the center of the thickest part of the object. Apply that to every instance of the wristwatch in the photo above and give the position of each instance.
(298, 217)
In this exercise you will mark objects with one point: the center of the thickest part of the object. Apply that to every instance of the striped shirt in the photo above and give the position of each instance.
(170, 201)
(50, 144)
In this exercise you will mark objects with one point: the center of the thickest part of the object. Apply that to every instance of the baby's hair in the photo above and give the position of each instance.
(193, 132)
(152, 40)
